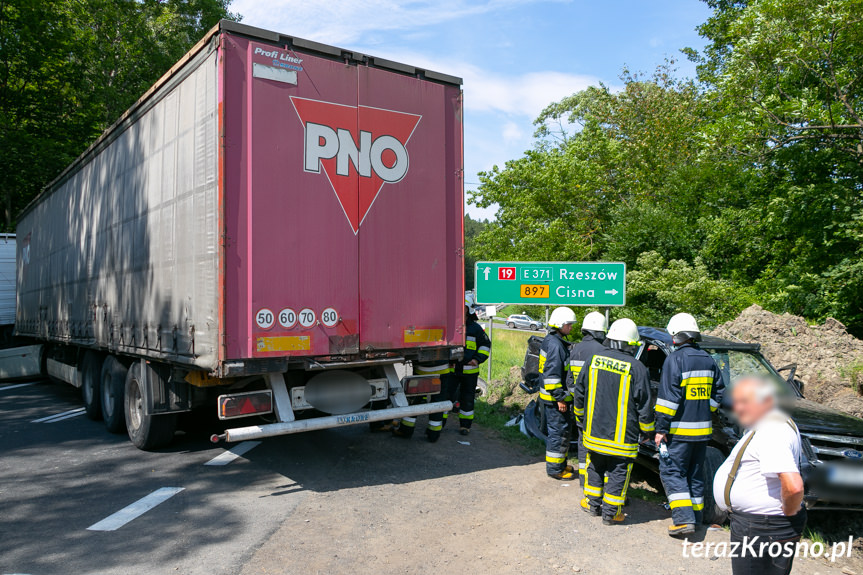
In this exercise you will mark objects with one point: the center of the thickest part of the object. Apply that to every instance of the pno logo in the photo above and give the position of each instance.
(360, 149)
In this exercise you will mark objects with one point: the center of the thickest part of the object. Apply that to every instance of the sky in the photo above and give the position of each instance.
(515, 56)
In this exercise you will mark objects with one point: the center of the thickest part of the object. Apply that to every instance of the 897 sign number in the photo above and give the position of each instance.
(537, 291)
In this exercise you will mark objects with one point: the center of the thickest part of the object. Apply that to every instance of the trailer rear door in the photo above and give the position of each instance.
(407, 241)
(292, 254)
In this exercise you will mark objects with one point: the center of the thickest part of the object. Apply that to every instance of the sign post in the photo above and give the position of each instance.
(594, 284)
(491, 347)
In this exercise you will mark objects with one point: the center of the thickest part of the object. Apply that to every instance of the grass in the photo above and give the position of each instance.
(500, 405)
(507, 351)
(814, 536)
(853, 374)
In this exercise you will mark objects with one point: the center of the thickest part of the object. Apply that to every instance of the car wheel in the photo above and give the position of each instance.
(91, 377)
(510, 325)
(533, 420)
(111, 390)
(481, 387)
(712, 513)
(534, 327)
(147, 431)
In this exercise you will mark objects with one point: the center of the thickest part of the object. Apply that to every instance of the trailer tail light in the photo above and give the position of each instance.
(422, 385)
(245, 404)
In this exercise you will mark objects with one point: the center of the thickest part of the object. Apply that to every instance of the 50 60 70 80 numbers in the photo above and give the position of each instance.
(534, 290)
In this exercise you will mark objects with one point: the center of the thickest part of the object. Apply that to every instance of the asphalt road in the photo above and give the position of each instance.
(60, 477)
(76, 500)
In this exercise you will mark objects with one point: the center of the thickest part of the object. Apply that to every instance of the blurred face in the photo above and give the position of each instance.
(748, 406)
(565, 329)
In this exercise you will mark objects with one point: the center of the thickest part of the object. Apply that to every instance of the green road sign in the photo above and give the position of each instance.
(597, 284)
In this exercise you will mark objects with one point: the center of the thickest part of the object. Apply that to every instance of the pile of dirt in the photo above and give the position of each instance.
(826, 355)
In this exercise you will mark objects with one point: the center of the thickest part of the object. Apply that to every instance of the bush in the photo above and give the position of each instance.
(659, 288)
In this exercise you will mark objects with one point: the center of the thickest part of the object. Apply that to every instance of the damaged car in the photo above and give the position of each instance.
(832, 441)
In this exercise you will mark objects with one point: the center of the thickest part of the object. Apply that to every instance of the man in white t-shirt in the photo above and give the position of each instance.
(760, 483)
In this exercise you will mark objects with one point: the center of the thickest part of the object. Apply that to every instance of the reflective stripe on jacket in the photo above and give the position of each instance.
(553, 365)
(612, 394)
(582, 352)
(477, 347)
(690, 391)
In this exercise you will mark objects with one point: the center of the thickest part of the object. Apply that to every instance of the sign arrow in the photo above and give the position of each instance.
(487, 271)
(611, 291)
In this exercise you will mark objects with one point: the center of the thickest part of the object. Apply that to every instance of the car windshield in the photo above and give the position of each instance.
(736, 363)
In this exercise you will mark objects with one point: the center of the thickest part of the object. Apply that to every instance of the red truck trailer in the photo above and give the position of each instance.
(270, 231)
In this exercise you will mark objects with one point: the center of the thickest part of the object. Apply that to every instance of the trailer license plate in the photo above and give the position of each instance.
(534, 290)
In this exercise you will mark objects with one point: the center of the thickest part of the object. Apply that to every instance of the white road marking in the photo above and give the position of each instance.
(60, 416)
(233, 453)
(135, 510)
(17, 385)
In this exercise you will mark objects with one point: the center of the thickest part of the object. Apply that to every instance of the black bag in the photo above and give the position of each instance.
(530, 368)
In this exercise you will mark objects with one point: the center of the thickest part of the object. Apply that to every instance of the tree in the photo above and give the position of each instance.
(787, 75)
(69, 68)
(791, 69)
(632, 176)
(472, 228)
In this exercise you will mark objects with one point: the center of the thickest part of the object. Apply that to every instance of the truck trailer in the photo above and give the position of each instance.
(271, 231)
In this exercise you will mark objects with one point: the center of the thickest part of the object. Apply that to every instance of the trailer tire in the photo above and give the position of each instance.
(111, 392)
(147, 431)
(91, 384)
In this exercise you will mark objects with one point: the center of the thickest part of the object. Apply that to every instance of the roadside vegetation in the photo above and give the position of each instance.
(69, 68)
(738, 186)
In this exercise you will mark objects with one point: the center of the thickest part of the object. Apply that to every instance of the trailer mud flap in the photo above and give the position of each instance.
(273, 429)
(164, 394)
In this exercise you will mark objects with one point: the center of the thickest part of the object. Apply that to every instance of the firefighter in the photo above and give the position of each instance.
(463, 381)
(612, 397)
(554, 396)
(690, 390)
(457, 382)
(593, 330)
(443, 369)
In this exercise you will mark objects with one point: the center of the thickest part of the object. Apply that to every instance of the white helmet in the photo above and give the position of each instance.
(682, 327)
(624, 330)
(561, 316)
(594, 321)
(470, 303)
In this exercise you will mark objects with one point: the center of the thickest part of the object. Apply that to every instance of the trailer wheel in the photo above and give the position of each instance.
(145, 431)
(111, 391)
(91, 380)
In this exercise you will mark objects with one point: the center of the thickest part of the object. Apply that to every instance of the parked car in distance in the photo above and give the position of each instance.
(517, 321)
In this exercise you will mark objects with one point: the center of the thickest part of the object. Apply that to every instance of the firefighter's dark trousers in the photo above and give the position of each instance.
(464, 386)
(682, 474)
(559, 435)
(437, 421)
(606, 482)
(582, 457)
(448, 391)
